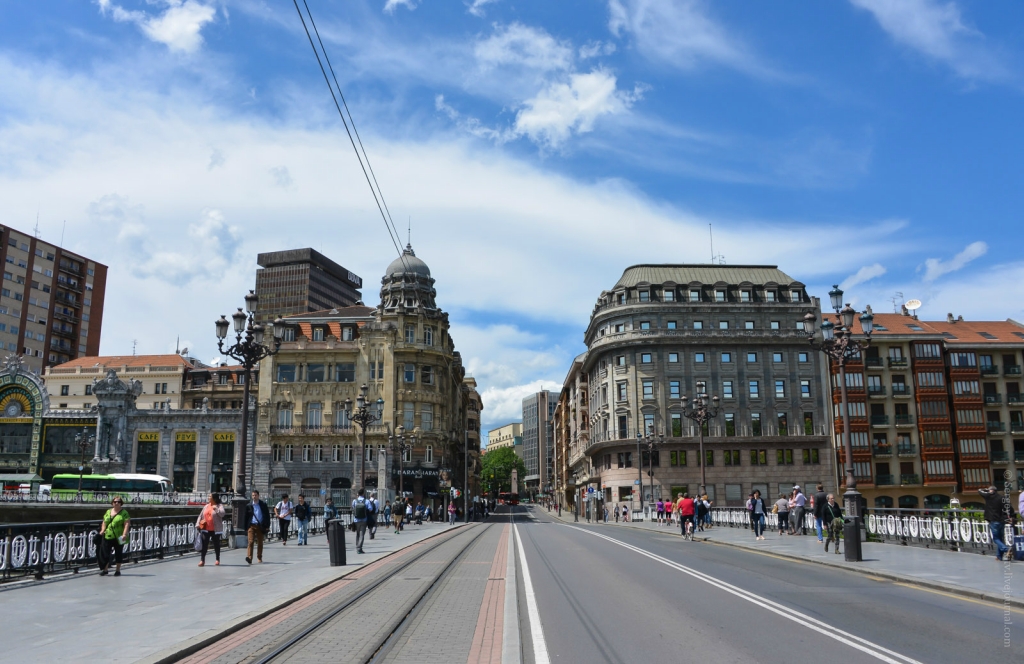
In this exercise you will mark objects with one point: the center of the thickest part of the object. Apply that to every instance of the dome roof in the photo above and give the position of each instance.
(408, 263)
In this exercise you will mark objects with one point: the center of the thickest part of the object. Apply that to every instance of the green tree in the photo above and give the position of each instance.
(496, 475)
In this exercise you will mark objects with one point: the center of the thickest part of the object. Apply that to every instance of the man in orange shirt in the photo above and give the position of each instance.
(686, 511)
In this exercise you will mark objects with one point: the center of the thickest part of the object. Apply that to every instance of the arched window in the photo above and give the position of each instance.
(908, 502)
(884, 502)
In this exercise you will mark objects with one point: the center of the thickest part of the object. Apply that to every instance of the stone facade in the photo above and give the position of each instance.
(402, 352)
(668, 331)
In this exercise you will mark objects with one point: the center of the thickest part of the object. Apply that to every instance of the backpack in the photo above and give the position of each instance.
(371, 506)
(359, 510)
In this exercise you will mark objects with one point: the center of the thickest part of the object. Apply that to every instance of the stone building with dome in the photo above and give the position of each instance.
(401, 350)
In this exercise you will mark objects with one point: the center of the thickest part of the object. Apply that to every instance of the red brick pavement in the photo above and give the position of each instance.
(487, 640)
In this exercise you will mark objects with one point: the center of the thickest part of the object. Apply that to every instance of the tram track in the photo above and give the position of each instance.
(360, 626)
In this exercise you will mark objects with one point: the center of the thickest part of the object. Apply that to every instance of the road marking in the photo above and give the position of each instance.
(540, 646)
(1004, 607)
(852, 640)
(511, 648)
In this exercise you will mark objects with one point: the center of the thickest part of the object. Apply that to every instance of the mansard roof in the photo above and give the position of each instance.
(703, 273)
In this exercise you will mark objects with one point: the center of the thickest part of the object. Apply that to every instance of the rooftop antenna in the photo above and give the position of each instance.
(62, 233)
(35, 231)
(134, 342)
(177, 345)
(410, 231)
(897, 300)
(719, 257)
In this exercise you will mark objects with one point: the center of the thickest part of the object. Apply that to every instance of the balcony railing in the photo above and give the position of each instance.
(879, 420)
(906, 450)
(1011, 369)
(909, 479)
(1014, 398)
(1018, 456)
(897, 362)
(874, 362)
(1000, 456)
(993, 397)
(876, 390)
(989, 370)
(885, 480)
(900, 390)
(904, 420)
(882, 450)
(1016, 427)
(995, 427)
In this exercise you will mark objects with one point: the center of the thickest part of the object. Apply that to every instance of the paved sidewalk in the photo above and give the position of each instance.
(968, 574)
(152, 607)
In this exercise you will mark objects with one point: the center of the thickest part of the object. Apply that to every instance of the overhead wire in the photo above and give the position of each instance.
(378, 195)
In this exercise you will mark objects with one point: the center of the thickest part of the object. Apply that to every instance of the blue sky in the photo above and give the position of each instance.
(538, 147)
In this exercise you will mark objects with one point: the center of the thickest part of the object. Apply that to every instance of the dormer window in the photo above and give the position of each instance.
(289, 334)
(645, 296)
(347, 334)
(318, 334)
(719, 296)
(694, 295)
(770, 296)
(668, 295)
(794, 296)
(620, 298)
(744, 296)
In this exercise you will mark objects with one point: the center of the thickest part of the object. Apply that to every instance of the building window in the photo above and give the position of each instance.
(336, 453)
(723, 325)
(673, 389)
(289, 334)
(777, 357)
(427, 375)
(284, 418)
(318, 453)
(730, 424)
(805, 389)
(307, 453)
(783, 424)
(410, 373)
(645, 358)
(802, 358)
(726, 358)
(677, 425)
(694, 295)
(770, 296)
(620, 361)
(751, 357)
(428, 455)
(64, 390)
(645, 325)
(698, 325)
(780, 389)
(671, 325)
(345, 373)
(619, 327)
(744, 297)
(758, 457)
(409, 416)
(370, 453)
(286, 373)
(811, 457)
(929, 351)
(719, 296)
(748, 325)
(755, 389)
(289, 453)
(620, 389)
(677, 458)
(668, 295)
(426, 417)
(727, 389)
(314, 415)
(342, 419)
(648, 387)
(428, 336)
(410, 334)
(698, 358)
(318, 334)
(276, 451)
(784, 457)
(315, 373)
(645, 296)
(731, 457)
(755, 424)
(673, 357)
(350, 454)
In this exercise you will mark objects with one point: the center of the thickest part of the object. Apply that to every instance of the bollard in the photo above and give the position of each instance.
(336, 541)
(851, 539)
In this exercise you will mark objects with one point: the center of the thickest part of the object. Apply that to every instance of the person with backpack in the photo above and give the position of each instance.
(372, 510)
(284, 510)
(359, 514)
(302, 514)
(998, 513)
(832, 514)
(397, 510)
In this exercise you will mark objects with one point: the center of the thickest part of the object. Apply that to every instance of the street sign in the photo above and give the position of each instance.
(636, 481)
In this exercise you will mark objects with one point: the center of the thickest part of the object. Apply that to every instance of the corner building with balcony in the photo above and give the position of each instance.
(668, 331)
(935, 411)
(305, 439)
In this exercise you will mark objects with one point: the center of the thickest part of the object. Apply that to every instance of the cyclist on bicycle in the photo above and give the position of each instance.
(686, 512)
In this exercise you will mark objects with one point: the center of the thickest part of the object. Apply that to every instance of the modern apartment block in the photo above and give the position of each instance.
(538, 442)
(51, 302)
(936, 411)
(665, 332)
(299, 281)
(509, 435)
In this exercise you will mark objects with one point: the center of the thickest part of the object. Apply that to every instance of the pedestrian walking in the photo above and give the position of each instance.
(820, 500)
(257, 518)
(386, 513)
(210, 525)
(372, 512)
(796, 513)
(115, 529)
(707, 510)
(998, 513)
(451, 513)
(781, 508)
(750, 509)
(330, 511)
(660, 507)
(359, 512)
(616, 511)
(302, 514)
(625, 514)
(699, 510)
(397, 509)
(687, 509)
(284, 510)
(757, 514)
(832, 513)
(606, 515)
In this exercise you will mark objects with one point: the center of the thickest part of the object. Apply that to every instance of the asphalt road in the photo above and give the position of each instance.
(628, 595)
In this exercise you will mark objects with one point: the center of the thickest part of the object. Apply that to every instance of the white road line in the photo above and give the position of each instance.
(540, 646)
(511, 648)
(852, 640)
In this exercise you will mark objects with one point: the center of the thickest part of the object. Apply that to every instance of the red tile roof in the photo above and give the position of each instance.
(958, 332)
(114, 361)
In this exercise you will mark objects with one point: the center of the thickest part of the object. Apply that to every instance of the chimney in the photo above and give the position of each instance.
(904, 310)
(960, 318)
(950, 319)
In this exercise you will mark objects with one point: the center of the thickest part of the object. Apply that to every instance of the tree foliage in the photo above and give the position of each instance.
(496, 475)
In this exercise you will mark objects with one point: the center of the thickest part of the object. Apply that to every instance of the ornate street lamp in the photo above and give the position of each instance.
(364, 416)
(249, 350)
(84, 441)
(651, 441)
(400, 446)
(839, 346)
(701, 413)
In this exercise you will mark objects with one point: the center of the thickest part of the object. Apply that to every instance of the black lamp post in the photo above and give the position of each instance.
(651, 441)
(84, 441)
(701, 413)
(400, 446)
(839, 346)
(364, 416)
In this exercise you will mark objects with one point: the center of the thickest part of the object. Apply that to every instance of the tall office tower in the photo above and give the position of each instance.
(299, 281)
(51, 302)
(538, 438)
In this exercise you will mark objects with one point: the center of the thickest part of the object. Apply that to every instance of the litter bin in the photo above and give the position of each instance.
(336, 541)
(851, 539)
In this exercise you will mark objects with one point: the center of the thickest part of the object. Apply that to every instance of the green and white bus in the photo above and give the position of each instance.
(142, 488)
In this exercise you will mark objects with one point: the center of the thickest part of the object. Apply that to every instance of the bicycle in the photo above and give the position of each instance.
(688, 532)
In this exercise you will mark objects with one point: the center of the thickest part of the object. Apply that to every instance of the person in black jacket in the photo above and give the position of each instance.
(998, 513)
(257, 520)
(820, 500)
(832, 515)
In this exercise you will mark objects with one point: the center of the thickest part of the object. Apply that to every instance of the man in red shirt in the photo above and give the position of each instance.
(686, 511)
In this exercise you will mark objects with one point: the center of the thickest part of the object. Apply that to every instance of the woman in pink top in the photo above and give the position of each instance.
(210, 525)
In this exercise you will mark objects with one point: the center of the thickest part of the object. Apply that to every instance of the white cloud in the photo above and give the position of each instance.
(936, 29)
(935, 268)
(866, 273)
(681, 34)
(574, 106)
(477, 7)
(282, 177)
(179, 27)
(391, 5)
(505, 404)
(523, 46)
(592, 49)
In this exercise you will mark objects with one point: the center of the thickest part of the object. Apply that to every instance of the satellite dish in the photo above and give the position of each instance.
(913, 304)
(184, 351)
